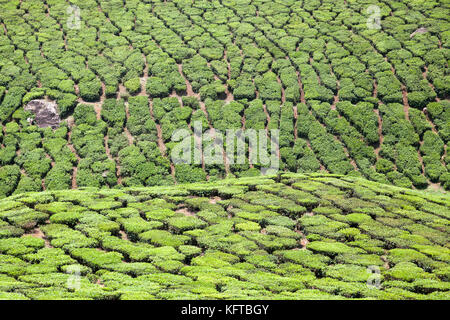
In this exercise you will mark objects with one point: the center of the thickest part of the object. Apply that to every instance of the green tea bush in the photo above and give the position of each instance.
(164, 238)
(133, 85)
(180, 224)
(9, 178)
(407, 271)
(96, 259)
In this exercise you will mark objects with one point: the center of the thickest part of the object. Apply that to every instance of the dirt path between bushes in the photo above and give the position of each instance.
(123, 235)
(125, 129)
(5, 31)
(283, 92)
(162, 147)
(37, 233)
(144, 78)
(405, 102)
(295, 110)
(70, 123)
(185, 211)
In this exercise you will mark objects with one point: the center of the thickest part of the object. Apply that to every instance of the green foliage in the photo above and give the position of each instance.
(9, 178)
(95, 258)
(180, 224)
(188, 174)
(90, 90)
(407, 271)
(163, 238)
(157, 88)
(84, 114)
(113, 113)
(332, 248)
(11, 101)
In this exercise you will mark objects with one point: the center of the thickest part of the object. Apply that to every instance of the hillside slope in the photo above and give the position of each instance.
(347, 95)
(292, 236)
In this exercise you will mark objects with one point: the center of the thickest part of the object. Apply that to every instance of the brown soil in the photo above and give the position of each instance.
(335, 101)
(295, 123)
(225, 57)
(108, 152)
(122, 91)
(5, 31)
(380, 133)
(98, 111)
(162, 146)
(186, 211)
(302, 92)
(119, 174)
(123, 235)
(445, 152)
(72, 149)
(99, 282)
(283, 94)
(375, 89)
(52, 161)
(405, 102)
(125, 129)
(144, 79)
(189, 91)
(37, 233)
(47, 11)
(303, 242)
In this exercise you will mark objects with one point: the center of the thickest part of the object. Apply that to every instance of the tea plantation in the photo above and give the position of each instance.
(347, 97)
(94, 206)
(291, 236)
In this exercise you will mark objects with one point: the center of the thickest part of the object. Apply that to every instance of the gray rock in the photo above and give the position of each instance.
(46, 112)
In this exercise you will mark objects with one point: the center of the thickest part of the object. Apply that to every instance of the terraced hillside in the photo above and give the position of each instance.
(292, 236)
(347, 97)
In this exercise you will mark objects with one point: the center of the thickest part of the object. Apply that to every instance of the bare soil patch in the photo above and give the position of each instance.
(186, 211)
